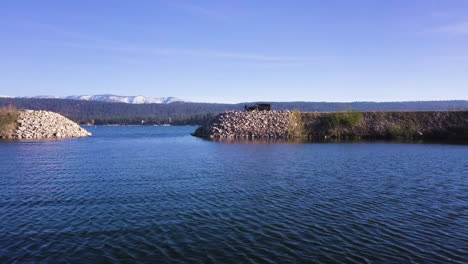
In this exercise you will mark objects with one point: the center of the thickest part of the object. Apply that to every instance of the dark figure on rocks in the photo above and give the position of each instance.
(258, 107)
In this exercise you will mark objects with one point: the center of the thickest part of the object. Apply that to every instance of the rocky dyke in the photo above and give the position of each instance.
(43, 125)
(254, 124)
(337, 125)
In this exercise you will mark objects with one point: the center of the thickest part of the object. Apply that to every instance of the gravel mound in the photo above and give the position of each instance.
(254, 124)
(44, 124)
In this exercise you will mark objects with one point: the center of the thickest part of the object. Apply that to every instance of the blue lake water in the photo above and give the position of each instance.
(159, 195)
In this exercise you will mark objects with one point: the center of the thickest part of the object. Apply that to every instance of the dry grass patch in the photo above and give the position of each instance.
(8, 117)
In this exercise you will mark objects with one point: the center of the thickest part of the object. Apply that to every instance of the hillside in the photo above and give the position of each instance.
(179, 113)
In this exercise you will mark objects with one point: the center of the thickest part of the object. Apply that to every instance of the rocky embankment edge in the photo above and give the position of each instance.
(337, 125)
(44, 124)
(254, 124)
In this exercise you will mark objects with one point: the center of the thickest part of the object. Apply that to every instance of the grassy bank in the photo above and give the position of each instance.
(8, 117)
(386, 125)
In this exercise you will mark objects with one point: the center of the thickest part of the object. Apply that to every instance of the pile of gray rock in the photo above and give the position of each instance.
(254, 124)
(44, 124)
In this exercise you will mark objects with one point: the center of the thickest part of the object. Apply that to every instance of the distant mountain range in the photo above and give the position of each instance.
(110, 98)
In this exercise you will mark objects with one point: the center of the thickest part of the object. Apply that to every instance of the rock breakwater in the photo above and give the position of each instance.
(337, 125)
(44, 124)
(254, 124)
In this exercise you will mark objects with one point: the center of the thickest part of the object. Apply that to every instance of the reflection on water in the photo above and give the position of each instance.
(157, 194)
(334, 140)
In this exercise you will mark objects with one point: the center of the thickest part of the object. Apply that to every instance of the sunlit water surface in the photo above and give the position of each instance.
(157, 194)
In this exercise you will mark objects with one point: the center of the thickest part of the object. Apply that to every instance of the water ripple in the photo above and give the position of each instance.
(139, 195)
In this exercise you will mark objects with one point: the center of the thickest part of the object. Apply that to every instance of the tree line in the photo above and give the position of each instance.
(187, 113)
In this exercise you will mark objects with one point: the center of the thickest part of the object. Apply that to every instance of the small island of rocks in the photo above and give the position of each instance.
(31, 124)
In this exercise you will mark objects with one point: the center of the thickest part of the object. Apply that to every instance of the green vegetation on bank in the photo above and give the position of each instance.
(296, 127)
(331, 124)
(387, 125)
(344, 120)
(8, 117)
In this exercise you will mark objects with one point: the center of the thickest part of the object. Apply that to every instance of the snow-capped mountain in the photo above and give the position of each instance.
(125, 99)
(46, 97)
(118, 98)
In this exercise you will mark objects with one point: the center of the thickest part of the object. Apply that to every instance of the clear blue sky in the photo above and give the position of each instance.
(236, 51)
